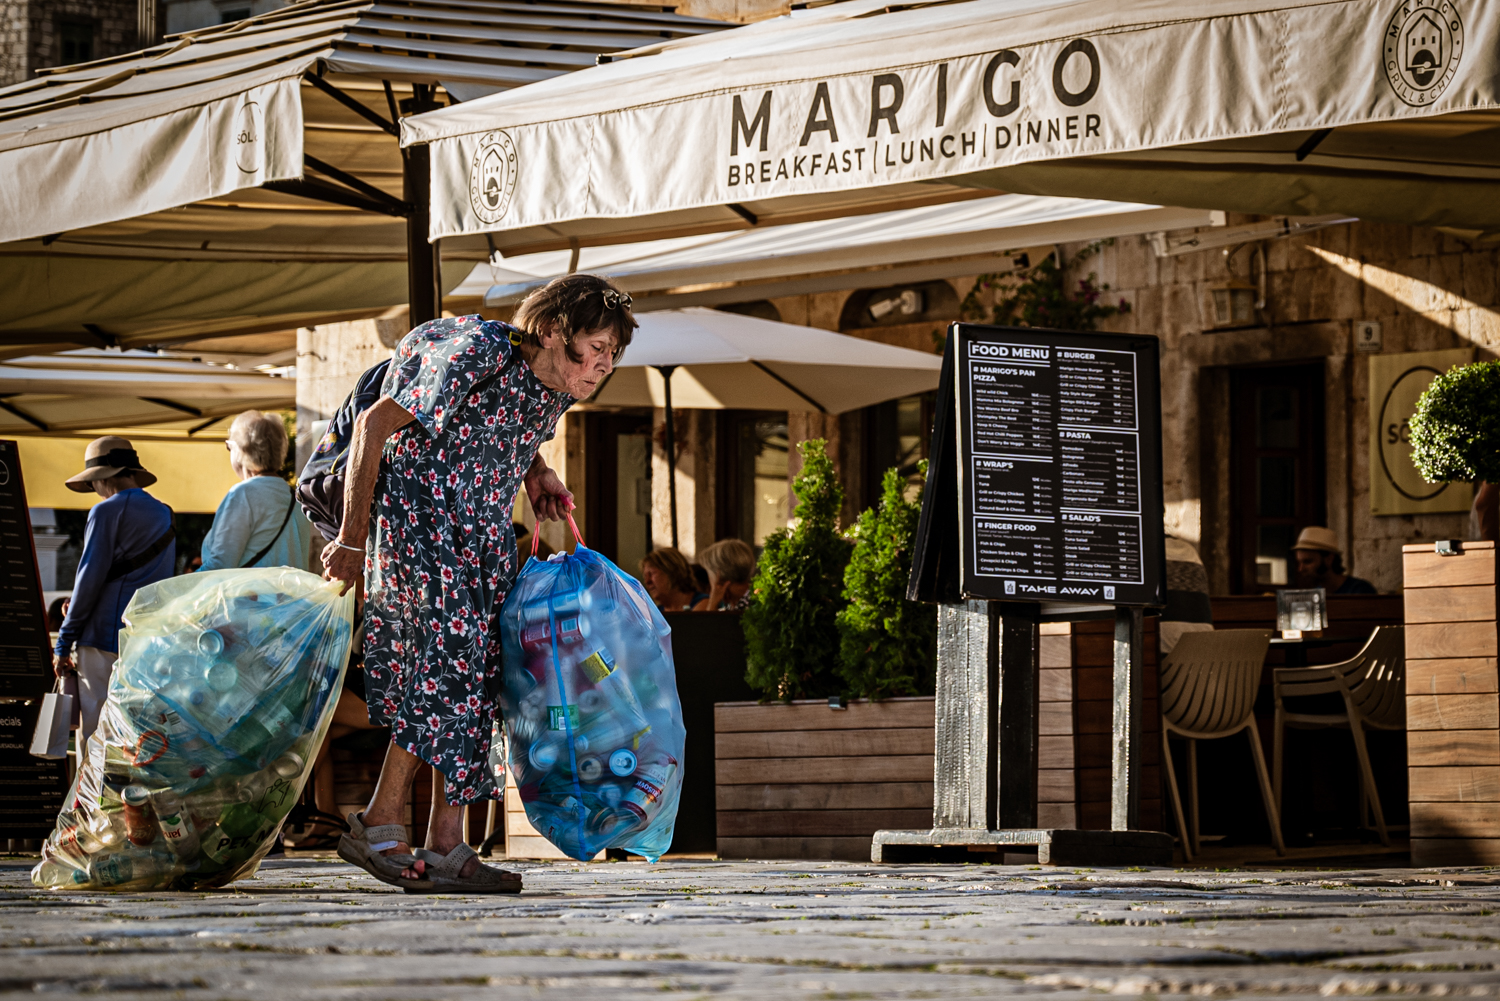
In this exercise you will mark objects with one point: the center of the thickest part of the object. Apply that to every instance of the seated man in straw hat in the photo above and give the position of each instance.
(129, 543)
(1321, 564)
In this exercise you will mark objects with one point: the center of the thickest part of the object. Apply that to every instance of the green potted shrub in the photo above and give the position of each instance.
(1455, 434)
(791, 625)
(888, 645)
(800, 774)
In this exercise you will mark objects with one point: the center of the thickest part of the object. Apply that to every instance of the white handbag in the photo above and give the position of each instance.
(50, 740)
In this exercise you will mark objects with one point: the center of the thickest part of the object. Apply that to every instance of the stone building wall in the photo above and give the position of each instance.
(1428, 290)
(31, 32)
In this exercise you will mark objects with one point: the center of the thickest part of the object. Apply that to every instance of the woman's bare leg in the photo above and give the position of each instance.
(445, 826)
(392, 790)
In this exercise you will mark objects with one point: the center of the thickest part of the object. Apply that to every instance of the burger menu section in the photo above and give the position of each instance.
(1059, 466)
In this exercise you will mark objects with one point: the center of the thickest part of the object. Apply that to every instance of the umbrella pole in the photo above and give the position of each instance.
(666, 375)
(424, 292)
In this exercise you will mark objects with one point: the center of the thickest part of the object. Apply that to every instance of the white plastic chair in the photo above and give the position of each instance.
(1373, 686)
(1208, 686)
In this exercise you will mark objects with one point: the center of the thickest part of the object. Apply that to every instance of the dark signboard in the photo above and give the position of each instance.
(1048, 472)
(31, 789)
(25, 651)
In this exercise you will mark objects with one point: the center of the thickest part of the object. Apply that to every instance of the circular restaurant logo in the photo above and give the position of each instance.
(1423, 43)
(249, 126)
(492, 176)
(1395, 434)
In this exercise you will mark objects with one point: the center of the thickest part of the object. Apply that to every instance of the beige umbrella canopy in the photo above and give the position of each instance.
(1380, 110)
(703, 359)
(247, 176)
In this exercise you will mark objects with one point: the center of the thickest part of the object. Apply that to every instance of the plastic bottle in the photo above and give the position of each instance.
(176, 825)
(56, 873)
(608, 733)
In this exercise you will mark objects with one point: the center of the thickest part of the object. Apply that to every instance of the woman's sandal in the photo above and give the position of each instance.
(442, 874)
(362, 845)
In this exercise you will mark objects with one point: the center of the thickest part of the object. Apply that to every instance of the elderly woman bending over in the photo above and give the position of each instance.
(433, 472)
(258, 523)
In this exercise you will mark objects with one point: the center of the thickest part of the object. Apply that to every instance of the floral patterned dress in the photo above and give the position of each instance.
(442, 552)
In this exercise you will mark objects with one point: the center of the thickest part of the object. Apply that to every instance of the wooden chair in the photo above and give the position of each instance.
(1208, 686)
(1373, 687)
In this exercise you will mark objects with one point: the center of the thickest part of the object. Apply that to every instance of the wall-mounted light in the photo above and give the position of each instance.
(1234, 305)
(909, 302)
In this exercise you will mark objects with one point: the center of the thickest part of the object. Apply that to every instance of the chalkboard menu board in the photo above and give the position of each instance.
(31, 789)
(25, 653)
(1051, 463)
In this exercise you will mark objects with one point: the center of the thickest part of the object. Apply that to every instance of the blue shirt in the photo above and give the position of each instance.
(119, 528)
(249, 517)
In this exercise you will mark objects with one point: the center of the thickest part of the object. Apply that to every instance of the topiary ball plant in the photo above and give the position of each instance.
(888, 645)
(791, 624)
(1455, 433)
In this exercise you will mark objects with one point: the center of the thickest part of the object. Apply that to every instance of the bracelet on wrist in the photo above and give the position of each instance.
(352, 549)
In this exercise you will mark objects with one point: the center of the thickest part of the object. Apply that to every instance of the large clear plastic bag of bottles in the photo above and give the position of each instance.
(218, 705)
(593, 723)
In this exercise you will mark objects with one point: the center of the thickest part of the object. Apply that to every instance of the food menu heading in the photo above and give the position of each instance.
(1060, 467)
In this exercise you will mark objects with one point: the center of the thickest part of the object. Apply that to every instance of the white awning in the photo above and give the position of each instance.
(1296, 107)
(943, 241)
(94, 390)
(269, 140)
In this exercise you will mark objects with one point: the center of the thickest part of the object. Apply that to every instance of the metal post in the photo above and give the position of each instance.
(666, 375)
(1017, 774)
(966, 749)
(1125, 735)
(424, 292)
(145, 24)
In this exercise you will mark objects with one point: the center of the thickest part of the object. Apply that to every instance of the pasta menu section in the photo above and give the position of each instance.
(1054, 487)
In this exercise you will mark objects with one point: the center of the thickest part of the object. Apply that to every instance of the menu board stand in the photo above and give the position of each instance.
(35, 786)
(1043, 503)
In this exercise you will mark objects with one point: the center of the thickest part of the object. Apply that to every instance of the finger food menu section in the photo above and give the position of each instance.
(1059, 466)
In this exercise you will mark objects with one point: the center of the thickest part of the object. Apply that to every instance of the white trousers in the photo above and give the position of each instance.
(94, 669)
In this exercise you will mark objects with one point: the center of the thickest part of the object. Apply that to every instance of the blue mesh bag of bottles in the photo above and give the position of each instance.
(592, 720)
(225, 686)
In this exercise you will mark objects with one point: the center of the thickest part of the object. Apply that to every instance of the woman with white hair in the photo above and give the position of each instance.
(258, 523)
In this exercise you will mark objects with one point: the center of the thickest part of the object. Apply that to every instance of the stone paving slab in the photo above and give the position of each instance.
(320, 929)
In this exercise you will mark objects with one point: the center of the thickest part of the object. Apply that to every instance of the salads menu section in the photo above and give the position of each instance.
(1059, 456)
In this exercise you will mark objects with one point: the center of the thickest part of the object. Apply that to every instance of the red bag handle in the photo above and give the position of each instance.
(536, 536)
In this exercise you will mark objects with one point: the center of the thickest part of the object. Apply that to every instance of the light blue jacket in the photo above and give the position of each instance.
(250, 516)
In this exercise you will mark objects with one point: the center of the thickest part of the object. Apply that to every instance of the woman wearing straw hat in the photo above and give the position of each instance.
(128, 544)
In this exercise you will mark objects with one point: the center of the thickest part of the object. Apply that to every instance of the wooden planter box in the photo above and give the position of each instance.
(1452, 706)
(802, 781)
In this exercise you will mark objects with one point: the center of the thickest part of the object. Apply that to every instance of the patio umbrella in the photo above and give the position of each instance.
(724, 361)
(246, 176)
(1384, 111)
(92, 390)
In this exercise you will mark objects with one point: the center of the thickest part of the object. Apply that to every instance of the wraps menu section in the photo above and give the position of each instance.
(1059, 465)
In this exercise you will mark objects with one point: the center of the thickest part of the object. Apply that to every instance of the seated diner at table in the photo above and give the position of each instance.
(1320, 563)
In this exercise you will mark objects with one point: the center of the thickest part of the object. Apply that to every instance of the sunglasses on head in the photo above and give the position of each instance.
(614, 300)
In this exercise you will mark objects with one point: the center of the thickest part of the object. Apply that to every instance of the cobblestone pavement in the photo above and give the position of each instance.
(313, 928)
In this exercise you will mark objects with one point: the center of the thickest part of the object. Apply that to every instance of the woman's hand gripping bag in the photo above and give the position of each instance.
(592, 719)
(225, 686)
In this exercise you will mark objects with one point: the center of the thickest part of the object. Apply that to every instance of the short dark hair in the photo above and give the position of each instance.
(674, 566)
(576, 304)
